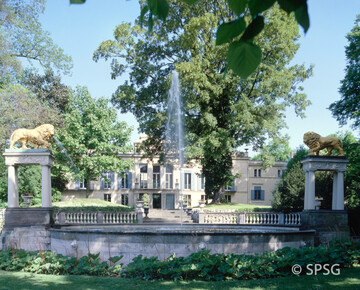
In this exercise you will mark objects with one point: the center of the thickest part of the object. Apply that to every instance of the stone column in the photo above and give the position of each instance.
(310, 184)
(13, 190)
(45, 186)
(339, 205)
(334, 192)
(306, 189)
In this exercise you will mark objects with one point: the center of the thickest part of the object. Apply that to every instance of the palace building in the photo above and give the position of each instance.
(253, 185)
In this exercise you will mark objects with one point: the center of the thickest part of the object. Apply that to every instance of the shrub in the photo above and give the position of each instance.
(201, 265)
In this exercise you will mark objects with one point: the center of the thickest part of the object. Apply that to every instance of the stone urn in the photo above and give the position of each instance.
(27, 200)
(146, 211)
(139, 206)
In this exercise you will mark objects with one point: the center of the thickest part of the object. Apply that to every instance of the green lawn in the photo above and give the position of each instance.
(239, 207)
(348, 279)
(85, 204)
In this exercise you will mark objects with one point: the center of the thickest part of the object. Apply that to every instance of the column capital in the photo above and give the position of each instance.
(324, 163)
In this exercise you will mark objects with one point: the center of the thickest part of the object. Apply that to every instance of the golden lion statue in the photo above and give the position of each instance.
(316, 143)
(39, 137)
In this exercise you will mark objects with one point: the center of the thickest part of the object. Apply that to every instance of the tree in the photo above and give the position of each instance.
(221, 112)
(244, 56)
(277, 150)
(20, 108)
(22, 37)
(348, 107)
(48, 88)
(91, 139)
(27, 103)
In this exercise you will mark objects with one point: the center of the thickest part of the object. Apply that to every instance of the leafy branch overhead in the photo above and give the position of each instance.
(243, 55)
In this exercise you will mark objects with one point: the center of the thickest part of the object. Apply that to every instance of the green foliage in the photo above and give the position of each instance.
(347, 108)
(239, 207)
(244, 56)
(290, 192)
(22, 37)
(276, 150)
(92, 138)
(20, 108)
(46, 262)
(29, 178)
(221, 112)
(219, 267)
(289, 195)
(146, 199)
(48, 88)
(200, 265)
(86, 204)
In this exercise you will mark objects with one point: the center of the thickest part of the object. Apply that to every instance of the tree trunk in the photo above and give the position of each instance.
(218, 195)
(87, 185)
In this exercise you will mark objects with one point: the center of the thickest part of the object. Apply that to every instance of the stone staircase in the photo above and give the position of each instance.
(160, 216)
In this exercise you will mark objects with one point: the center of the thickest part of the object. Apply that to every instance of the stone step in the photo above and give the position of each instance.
(158, 216)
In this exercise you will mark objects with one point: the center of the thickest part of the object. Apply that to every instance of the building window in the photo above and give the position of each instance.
(107, 197)
(230, 187)
(169, 177)
(123, 180)
(202, 181)
(279, 173)
(257, 193)
(187, 199)
(125, 199)
(187, 181)
(257, 172)
(156, 177)
(143, 176)
(228, 198)
(83, 184)
(107, 180)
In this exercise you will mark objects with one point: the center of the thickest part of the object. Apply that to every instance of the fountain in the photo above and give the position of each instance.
(64, 151)
(174, 144)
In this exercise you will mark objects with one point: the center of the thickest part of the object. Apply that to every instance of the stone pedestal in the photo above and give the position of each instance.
(328, 224)
(16, 157)
(335, 164)
(26, 217)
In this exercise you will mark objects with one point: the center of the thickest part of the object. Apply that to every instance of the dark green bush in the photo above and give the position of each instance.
(218, 267)
(201, 265)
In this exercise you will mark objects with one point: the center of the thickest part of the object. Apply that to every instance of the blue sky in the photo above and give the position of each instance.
(79, 29)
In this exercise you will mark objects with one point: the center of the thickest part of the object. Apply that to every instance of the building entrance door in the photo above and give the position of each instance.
(170, 201)
(156, 200)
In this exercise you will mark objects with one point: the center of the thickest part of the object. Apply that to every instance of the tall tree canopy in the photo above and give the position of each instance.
(28, 99)
(22, 37)
(221, 111)
(244, 56)
(348, 107)
(92, 138)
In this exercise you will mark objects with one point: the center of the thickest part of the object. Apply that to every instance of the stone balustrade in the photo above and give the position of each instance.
(95, 218)
(247, 218)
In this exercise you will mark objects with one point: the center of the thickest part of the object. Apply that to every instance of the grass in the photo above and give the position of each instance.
(88, 204)
(348, 279)
(240, 207)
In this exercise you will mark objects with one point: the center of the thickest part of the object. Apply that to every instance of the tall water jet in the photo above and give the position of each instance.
(64, 152)
(174, 144)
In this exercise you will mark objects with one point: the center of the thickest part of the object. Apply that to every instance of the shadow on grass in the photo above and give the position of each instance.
(348, 279)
